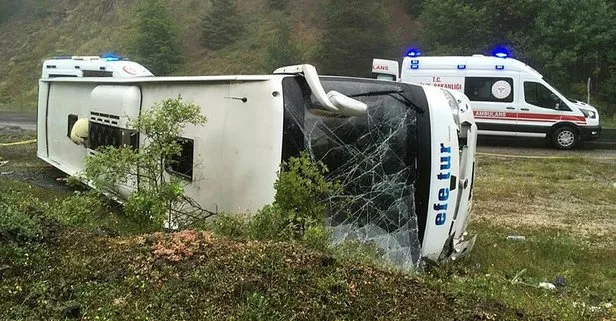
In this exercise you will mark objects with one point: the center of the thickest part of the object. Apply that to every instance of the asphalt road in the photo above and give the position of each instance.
(25, 121)
(604, 147)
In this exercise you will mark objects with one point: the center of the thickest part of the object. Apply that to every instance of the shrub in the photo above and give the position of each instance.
(24, 218)
(282, 49)
(302, 193)
(81, 209)
(269, 224)
(229, 225)
(297, 212)
(16, 226)
(159, 195)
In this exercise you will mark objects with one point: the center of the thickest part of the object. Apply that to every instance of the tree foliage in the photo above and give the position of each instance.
(282, 49)
(413, 7)
(277, 4)
(158, 194)
(355, 32)
(298, 210)
(301, 189)
(156, 41)
(19, 9)
(566, 40)
(221, 25)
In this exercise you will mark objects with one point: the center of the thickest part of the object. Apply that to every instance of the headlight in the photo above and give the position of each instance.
(453, 104)
(589, 113)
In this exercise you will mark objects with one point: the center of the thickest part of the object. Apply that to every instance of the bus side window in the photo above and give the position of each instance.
(182, 164)
(72, 118)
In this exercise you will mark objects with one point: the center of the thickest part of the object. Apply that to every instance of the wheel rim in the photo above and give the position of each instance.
(566, 138)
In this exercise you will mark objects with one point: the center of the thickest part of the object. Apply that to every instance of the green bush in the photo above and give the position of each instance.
(282, 49)
(17, 226)
(297, 212)
(302, 193)
(81, 209)
(229, 225)
(159, 195)
(269, 224)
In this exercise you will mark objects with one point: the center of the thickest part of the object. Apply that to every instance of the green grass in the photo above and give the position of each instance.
(510, 271)
(564, 207)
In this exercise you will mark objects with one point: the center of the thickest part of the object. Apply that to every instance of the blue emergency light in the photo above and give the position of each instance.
(413, 52)
(501, 52)
(111, 56)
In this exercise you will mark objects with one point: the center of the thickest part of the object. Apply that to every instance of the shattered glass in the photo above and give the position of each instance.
(373, 156)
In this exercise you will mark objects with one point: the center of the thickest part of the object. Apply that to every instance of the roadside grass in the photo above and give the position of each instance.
(27, 178)
(565, 208)
(576, 195)
(510, 272)
(59, 260)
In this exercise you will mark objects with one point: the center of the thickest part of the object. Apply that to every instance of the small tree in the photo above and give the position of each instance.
(155, 44)
(221, 25)
(301, 192)
(158, 195)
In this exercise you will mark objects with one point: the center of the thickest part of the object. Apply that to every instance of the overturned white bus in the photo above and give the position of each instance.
(404, 153)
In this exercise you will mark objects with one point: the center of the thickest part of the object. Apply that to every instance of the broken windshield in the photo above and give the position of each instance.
(374, 156)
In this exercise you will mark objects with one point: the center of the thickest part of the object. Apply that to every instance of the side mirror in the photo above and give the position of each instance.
(333, 101)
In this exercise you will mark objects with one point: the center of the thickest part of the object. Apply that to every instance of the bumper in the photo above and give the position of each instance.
(590, 132)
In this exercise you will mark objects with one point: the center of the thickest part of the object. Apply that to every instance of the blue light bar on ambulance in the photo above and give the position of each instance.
(414, 66)
(500, 67)
(413, 52)
(501, 52)
(111, 57)
(461, 66)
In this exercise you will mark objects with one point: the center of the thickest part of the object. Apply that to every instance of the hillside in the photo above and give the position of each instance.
(36, 31)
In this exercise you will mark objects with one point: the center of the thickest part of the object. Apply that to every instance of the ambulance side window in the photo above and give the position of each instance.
(493, 89)
(539, 95)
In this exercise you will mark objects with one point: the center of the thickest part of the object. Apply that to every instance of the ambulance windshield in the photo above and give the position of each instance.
(373, 156)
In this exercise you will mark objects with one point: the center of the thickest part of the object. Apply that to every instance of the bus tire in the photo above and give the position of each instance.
(565, 137)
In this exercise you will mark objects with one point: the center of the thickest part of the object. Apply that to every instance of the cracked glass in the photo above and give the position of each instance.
(373, 157)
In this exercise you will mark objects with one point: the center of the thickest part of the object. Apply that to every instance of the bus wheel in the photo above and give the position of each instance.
(565, 138)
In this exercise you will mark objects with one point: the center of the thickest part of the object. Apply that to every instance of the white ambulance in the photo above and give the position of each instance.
(509, 98)
(92, 66)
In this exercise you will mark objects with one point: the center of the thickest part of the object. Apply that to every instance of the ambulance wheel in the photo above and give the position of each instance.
(565, 138)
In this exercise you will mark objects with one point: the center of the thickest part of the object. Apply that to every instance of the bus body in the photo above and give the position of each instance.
(404, 153)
